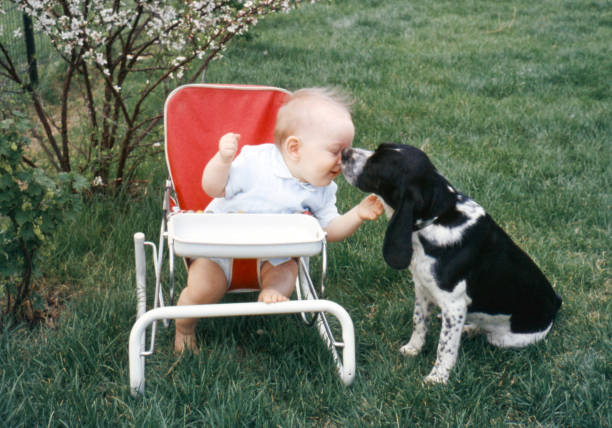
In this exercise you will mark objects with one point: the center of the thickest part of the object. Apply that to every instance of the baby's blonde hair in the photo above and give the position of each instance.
(288, 116)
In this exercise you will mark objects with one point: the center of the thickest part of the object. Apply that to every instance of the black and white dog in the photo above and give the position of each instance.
(460, 259)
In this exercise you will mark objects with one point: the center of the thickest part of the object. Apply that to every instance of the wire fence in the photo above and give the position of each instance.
(13, 34)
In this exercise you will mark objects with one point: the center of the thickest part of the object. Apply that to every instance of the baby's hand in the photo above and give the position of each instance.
(370, 208)
(228, 146)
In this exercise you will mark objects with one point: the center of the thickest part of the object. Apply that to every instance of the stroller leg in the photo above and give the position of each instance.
(306, 291)
(137, 366)
(141, 281)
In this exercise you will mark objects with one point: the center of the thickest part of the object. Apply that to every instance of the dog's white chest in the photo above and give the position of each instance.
(422, 267)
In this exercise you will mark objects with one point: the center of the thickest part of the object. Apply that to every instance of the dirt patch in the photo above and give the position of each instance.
(53, 303)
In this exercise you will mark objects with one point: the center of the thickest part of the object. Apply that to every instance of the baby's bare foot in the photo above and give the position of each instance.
(270, 295)
(183, 342)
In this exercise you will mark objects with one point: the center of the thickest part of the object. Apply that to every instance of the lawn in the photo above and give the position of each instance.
(513, 103)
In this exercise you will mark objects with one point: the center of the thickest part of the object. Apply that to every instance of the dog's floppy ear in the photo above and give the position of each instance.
(397, 246)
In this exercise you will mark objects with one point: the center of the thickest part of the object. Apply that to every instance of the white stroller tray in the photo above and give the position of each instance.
(244, 235)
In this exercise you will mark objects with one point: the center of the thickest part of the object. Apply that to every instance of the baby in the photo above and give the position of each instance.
(295, 174)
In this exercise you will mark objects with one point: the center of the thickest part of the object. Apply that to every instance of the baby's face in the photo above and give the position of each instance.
(321, 145)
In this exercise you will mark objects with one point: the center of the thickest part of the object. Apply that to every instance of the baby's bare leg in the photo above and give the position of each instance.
(206, 284)
(277, 282)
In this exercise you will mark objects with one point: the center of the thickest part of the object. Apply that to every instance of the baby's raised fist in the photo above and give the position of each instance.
(228, 146)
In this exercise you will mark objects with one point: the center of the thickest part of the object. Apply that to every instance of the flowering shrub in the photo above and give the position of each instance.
(32, 205)
(121, 57)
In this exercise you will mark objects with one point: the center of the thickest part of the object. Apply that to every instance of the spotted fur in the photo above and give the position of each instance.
(460, 259)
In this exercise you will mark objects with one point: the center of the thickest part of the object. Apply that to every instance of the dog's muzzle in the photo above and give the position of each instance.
(353, 161)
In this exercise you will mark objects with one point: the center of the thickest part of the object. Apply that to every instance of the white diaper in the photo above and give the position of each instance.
(226, 265)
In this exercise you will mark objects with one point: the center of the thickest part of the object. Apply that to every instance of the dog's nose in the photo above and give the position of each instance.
(346, 154)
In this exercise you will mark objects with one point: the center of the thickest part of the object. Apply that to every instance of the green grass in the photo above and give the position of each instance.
(515, 109)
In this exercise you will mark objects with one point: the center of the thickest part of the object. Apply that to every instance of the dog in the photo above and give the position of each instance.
(460, 259)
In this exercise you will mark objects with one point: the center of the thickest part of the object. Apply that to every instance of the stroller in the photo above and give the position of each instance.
(195, 117)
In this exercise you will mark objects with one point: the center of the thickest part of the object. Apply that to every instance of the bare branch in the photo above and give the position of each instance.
(9, 67)
(45, 149)
(65, 159)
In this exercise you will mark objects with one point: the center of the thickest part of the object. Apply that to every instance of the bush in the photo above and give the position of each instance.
(32, 205)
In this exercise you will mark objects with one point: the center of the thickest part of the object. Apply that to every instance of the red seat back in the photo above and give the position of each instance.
(196, 116)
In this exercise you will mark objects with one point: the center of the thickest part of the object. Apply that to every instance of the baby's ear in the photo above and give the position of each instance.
(291, 146)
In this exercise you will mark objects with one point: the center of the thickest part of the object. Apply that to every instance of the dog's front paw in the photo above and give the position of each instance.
(409, 350)
(436, 376)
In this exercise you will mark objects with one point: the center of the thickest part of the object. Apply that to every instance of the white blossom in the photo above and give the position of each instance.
(178, 60)
(100, 60)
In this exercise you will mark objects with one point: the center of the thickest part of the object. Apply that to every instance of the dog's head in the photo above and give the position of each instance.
(404, 177)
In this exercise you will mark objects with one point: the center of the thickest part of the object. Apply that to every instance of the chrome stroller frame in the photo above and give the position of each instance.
(311, 308)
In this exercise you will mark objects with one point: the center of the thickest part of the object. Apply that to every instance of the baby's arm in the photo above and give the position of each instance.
(345, 225)
(217, 169)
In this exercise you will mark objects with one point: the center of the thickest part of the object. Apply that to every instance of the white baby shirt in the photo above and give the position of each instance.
(260, 182)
